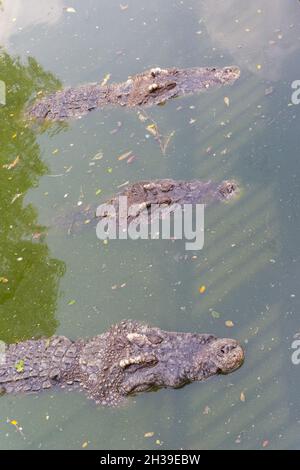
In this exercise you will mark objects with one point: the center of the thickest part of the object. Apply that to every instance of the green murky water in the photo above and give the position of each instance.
(250, 262)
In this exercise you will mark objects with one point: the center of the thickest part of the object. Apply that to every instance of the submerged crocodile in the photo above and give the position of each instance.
(131, 357)
(168, 192)
(152, 197)
(155, 86)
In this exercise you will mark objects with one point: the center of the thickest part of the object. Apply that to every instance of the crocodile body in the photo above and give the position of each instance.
(168, 192)
(159, 196)
(131, 357)
(155, 86)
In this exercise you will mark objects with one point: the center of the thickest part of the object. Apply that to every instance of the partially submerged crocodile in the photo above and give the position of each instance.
(155, 86)
(131, 357)
(167, 192)
(154, 197)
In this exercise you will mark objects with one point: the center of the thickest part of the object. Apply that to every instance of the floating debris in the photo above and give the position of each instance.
(12, 165)
(202, 289)
(70, 10)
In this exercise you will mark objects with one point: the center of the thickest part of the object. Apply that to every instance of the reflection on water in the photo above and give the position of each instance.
(249, 264)
(19, 15)
(30, 277)
(258, 37)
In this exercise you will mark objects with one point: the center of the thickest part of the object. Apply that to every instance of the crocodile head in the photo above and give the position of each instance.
(133, 357)
(189, 81)
(178, 359)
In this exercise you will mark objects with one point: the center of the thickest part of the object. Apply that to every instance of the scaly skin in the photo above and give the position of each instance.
(162, 193)
(152, 87)
(131, 357)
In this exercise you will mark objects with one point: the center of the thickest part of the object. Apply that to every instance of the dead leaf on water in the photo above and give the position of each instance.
(131, 159)
(165, 144)
(125, 155)
(105, 79)
(207, 410)
(142, 118)
(70, 10)
(215, 314)
(12, 165)
(202, 289)
(227, 101)
(98, 156)
(152, 128)
(16, 197)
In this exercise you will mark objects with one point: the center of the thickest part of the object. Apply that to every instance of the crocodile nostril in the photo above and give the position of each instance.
(227, 349)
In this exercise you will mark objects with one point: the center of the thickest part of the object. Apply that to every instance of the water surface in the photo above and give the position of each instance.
(71, 285)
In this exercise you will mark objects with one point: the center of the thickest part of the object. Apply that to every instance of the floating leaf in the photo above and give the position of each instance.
(70, 10)
(12, 165)
(3, 280)
(165, 144)
(14, 422)
(16, 197)
(207, 410)
(72, 302)
(227, 101)
(105, 79)
(124, 155)
(243, 397)
(149, 434)
(202, 289)
(229, 324)
(215, 314)
(152, 128)
(98, 156)
(99, 191)
(84, 445)
(142, 118)
(131, 159)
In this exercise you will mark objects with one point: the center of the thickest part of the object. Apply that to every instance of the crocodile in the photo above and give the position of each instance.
(168, 192)
(152, 87)
(129, 358)
(155, 197)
